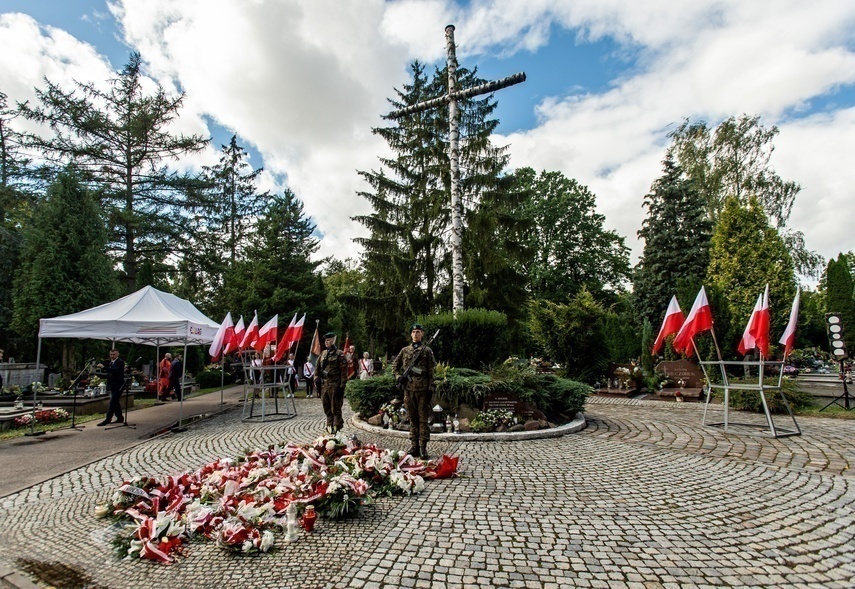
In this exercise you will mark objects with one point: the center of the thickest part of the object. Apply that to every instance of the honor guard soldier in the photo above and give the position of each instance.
(330, 378)
(413, 368)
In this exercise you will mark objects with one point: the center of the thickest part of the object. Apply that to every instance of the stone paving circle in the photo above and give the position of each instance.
(643, 497)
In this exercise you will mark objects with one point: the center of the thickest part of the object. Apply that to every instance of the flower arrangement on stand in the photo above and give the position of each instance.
(240, 503)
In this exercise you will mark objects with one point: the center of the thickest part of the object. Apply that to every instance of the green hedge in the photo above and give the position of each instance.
(553, 395)
(474, 338)
(208, 379)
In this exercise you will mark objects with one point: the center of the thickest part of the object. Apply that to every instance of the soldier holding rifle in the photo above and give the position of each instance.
(413, 368)
(330, 378)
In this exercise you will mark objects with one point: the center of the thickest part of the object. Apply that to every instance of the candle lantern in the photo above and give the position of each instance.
(309, 518)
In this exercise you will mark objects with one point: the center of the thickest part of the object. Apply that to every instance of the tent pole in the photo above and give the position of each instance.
(33, 431)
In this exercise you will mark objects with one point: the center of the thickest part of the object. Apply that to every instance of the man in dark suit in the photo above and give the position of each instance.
(175, 376)
(115, 372)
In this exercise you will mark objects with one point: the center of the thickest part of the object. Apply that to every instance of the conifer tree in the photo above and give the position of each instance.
(63, 268)
(676, 235)
(839, 296)
(407, 260)
(120, 143)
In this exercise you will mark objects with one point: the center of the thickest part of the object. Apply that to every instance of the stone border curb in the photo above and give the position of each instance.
(15, 580)
(578, 423)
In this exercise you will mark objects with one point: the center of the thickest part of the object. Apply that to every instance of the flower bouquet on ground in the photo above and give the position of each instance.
(240, 503)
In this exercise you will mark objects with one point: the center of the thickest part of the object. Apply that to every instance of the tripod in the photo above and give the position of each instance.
(127, 414)
(74, 382)
(845, 395)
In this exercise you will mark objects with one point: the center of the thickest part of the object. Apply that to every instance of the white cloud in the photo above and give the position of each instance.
(305, 81)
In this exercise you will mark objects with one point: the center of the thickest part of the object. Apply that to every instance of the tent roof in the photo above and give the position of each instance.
(147, 316)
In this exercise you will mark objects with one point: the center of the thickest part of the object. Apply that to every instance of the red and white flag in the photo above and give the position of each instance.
(748, 342)
(698, 321)
(236, 337)
(671, 324)
(760, 326)
(285, 342)
(789, 337)
(251, 333)
(222, 338)
(267, 334)
(298, 331)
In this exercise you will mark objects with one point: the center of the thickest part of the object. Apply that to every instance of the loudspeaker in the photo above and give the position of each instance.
(834, 327)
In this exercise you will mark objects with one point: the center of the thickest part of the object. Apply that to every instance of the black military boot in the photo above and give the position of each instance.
(423, 452)
(414, 451)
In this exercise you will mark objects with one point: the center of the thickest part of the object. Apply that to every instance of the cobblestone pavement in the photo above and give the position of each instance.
(644, 497)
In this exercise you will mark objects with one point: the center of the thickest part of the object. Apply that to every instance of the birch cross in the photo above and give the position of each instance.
(454, 151)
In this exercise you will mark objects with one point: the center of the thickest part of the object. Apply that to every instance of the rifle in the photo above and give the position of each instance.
(405, 376)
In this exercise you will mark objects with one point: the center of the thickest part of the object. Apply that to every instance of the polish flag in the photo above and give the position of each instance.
(760, 326)
(673, 321)
(748, 342)
(285, 342)
(789, 337)
(698, 321)
(251, 333)
(298, 331)
(222, 338)
(267, 334)
(236, 337)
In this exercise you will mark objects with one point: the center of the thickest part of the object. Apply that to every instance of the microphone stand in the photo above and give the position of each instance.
(74, 403)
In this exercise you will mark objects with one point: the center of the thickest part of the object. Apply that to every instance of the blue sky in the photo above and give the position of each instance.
(302, 82)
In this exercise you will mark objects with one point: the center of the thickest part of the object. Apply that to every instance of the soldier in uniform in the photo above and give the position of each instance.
(330, 378)
(418, 388)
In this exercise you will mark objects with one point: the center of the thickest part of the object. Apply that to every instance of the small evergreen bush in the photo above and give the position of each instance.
(208, 379)
(367, 396)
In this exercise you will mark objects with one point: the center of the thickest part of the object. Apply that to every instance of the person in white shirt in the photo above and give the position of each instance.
(309, 374)
(366, 367)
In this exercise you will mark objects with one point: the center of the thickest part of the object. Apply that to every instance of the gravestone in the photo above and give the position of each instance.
(685, 370)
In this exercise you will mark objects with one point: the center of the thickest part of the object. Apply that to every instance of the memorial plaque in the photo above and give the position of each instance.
(684, 370)
(508, 402)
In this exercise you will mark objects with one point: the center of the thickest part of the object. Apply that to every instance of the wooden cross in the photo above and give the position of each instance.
(454, 152)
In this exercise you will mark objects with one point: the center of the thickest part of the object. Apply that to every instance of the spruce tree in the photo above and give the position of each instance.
(676, 235)
(407, 259)
(63, 268)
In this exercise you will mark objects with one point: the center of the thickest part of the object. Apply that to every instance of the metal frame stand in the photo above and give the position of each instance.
(74, 402)
(263, 382)
(845, 395)
(760, 387)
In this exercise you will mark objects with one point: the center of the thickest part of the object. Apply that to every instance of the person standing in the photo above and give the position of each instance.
(291, 374)
(164, 368)
(115, 371)
(330, 379)
(418, 386)
(176, 371)
(309, 375)
(366, 367)
(350, 356)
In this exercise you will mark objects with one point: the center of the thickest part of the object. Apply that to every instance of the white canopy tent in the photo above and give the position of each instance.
(147, 316)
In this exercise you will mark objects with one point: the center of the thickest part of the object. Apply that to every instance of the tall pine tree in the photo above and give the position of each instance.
(676, 234)
(839, 296)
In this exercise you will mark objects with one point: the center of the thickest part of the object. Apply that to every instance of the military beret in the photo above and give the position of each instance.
(417, 326)
(329, 335)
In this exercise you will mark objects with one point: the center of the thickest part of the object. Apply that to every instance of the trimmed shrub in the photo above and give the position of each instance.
(208, 379)
(474, 338)
(367, 396)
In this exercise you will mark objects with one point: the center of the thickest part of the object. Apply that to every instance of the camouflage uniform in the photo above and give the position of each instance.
(417, 394)
(330, 378)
